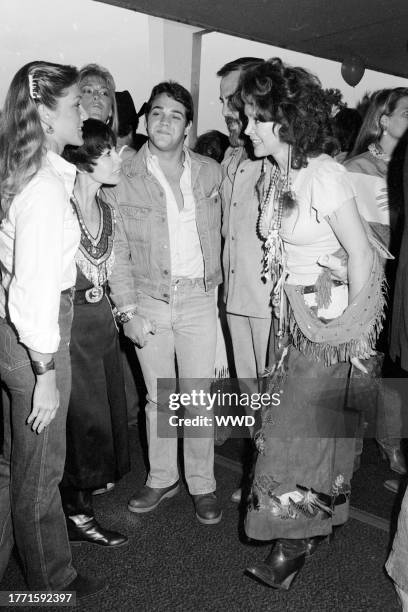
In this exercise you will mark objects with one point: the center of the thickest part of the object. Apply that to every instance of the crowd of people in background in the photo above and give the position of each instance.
(113, 245)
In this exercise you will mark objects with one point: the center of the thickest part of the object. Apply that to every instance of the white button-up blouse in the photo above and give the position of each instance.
(39, 237)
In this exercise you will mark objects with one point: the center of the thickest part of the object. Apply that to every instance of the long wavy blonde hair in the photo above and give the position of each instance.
(22, 138)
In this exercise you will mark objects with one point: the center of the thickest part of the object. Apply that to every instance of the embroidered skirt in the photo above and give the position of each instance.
(301, 481)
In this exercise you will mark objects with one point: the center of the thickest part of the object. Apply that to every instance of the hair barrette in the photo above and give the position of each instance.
(32, 85)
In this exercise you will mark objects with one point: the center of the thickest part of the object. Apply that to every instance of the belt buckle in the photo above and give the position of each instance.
(94, 294)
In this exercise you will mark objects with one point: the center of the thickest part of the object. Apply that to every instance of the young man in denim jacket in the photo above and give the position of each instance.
(167, 268)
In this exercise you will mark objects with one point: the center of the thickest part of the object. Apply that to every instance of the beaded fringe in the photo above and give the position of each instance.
(96, 273)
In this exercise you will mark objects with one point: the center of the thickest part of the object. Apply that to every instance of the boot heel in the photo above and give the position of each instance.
(282, 565)
(286, 584)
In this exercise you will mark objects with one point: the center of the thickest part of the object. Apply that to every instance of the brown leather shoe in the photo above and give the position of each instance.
(149, 498)
(207, 509)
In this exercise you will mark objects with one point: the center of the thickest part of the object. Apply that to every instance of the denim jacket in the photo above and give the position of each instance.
(142, 246)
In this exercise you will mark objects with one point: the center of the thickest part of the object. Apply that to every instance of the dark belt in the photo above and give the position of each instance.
(312, 288)
(92, 295)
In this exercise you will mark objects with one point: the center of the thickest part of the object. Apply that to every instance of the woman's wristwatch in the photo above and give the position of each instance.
(41, 367)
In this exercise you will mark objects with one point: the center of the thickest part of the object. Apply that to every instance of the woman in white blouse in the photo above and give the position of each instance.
(39, 237)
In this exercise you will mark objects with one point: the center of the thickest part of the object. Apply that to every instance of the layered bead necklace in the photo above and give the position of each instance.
(270, 221)
(269, 227)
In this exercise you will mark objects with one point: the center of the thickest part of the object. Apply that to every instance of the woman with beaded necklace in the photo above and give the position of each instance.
(97, 443)
(384, 124)
(300, 488)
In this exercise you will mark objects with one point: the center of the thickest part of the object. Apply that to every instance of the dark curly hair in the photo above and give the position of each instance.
(98, 137)
(294, 98)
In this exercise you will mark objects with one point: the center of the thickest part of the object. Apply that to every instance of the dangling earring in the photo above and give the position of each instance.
(383, 128)
(288, 181)
(288, 164)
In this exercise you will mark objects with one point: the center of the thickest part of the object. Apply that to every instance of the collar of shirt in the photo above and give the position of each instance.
(152, 159)
(64, 169)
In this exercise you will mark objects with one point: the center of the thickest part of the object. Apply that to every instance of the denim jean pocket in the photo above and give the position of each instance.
(13, 355)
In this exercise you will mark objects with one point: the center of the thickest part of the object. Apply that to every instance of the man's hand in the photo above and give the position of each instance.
(138, 329)
(45, 401)
(336, 266)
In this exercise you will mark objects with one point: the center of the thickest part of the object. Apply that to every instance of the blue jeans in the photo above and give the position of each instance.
(397, 563)
(186, 329)
(32, 465)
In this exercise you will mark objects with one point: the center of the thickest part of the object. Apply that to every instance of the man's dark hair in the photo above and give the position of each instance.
(212, 144)
(239, 64)
(177, 92)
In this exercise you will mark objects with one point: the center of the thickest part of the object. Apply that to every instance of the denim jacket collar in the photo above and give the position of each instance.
(137, 165)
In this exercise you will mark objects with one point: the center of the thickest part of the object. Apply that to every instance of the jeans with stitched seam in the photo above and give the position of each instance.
(186, 331)
(31, 465)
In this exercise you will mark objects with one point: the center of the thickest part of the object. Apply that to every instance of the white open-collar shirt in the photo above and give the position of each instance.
(185, 249)
(39, 237)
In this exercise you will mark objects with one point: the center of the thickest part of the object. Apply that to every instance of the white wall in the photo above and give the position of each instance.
(218, 49)
(140, 50)
(76, 32)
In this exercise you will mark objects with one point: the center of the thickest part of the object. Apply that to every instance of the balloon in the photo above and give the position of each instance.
(352, 69)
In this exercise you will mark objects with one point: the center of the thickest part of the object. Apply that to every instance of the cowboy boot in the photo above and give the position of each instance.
(283, 563)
